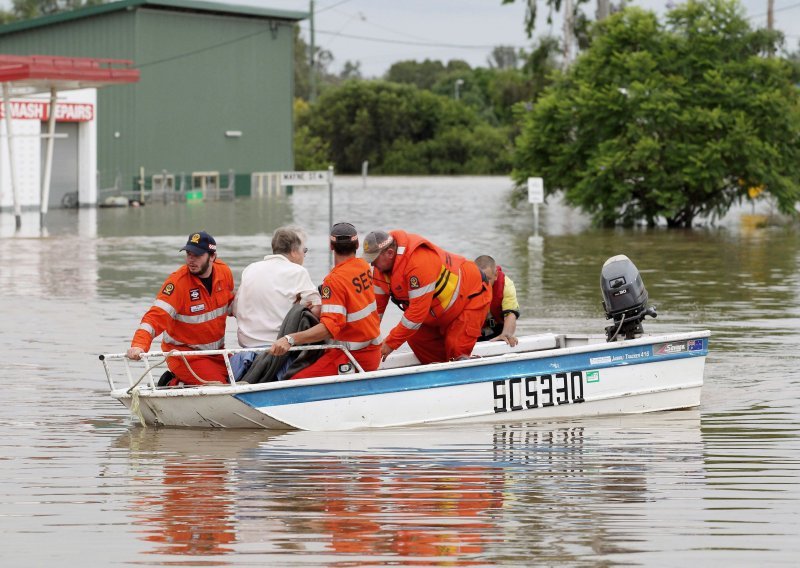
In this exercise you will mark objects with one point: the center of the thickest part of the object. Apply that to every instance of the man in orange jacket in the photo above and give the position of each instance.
(444, 297)
(190, 310)
(349, 313)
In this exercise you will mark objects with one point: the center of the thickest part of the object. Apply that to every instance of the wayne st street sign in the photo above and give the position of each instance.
(305, 178)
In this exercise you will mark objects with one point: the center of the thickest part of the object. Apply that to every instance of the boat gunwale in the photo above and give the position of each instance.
(236, 389)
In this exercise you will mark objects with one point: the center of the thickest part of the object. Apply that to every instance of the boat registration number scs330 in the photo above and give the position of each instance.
(550, 389)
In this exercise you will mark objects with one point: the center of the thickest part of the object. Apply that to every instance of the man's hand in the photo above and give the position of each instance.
(280, 347)
(385, 351)
(510, 339)
(135, 353)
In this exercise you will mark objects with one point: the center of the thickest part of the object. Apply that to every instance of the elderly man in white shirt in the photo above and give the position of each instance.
(271, 286)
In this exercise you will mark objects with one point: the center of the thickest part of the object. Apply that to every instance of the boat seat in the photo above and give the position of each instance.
(482, 349)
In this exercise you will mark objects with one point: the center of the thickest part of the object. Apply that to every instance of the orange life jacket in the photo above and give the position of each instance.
(496, 307)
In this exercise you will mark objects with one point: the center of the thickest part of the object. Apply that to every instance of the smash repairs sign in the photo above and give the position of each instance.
(40, 110)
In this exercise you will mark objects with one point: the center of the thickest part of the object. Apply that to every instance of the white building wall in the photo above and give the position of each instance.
(29, 157)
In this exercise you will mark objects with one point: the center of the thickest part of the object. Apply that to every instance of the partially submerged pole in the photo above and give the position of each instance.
(330, 208)
(12, 168)
(48, 160)
(364, 169)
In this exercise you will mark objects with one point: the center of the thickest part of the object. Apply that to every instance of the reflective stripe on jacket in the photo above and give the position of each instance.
(430, 284)
(190, 318)
(349, 309)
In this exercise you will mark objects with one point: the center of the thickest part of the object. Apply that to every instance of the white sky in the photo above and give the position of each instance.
(378, 33)
(456, 29)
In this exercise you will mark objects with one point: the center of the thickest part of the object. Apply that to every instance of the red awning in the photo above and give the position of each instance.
(28, 74)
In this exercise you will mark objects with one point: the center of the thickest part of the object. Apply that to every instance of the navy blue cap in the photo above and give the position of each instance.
(200, 243)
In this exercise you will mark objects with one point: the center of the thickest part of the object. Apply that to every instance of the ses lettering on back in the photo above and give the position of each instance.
(362, 282)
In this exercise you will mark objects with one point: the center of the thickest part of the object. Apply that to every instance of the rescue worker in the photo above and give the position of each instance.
(190, 310)
(501, 321)
(349, 313)
(444, 297)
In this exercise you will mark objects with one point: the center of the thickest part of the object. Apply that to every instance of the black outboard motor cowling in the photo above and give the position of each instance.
(624, 298)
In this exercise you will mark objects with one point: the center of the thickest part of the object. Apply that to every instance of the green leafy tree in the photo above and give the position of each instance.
(424, 74)
(668, 121)
(402, 129)
(310, 152)
(27, 9)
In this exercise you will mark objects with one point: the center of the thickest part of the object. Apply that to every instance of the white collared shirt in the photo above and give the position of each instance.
(267, 291)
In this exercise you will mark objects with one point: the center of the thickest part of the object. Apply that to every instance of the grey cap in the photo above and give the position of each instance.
(375, 243)
(344, 232)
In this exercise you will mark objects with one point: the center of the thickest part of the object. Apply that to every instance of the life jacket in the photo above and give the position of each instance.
(447, 286)
(496, 307)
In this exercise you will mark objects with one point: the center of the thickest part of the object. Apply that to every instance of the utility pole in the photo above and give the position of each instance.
(569, 30)
(312, 80)
(770, 14)
(603, 10)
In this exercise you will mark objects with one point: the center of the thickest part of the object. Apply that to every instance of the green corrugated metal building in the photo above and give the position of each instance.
(208, 72)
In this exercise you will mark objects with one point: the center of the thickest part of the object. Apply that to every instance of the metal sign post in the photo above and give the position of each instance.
(11, 162)
(535, 196)
(313, 178)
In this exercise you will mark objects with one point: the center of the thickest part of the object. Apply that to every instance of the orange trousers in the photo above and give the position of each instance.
(435, 344)
(210, 368)
(369, 358)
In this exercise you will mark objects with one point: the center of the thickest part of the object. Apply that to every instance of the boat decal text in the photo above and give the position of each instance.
(549, 389)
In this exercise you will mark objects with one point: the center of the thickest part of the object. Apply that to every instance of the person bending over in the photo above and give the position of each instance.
(501, 321)
(444, 296)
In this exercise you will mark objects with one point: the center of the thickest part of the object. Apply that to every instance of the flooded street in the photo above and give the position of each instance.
(80, 484)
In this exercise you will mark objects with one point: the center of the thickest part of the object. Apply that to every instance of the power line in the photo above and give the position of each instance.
(414, 43)
(326, 8)
(792, 7)
(203, 49)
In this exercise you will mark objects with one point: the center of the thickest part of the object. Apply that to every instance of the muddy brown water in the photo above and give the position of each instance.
(81, 485)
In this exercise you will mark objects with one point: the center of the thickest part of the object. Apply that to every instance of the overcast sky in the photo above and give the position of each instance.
(377, 33)
(380, 32)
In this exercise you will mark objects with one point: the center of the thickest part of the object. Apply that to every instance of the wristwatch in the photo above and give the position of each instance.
(289, 340)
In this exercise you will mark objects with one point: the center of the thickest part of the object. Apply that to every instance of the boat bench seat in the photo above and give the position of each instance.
(482, 349)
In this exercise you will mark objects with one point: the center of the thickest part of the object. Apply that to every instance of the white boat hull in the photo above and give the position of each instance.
(587, 379)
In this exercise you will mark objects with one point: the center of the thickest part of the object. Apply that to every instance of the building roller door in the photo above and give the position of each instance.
(64, 177)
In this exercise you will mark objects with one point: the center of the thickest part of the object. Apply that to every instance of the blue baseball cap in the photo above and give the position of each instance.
(200, 243)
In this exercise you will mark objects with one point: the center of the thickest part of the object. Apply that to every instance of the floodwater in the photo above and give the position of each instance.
(80, 484)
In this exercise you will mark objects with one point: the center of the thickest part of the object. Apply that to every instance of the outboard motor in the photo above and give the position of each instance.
(624, 298)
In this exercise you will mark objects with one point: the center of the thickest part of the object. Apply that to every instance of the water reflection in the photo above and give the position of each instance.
(451, 496)
(454, 496)
(187, 502)
(38, 262)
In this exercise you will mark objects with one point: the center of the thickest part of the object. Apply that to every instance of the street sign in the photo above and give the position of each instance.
(306, 178)
(535, 190)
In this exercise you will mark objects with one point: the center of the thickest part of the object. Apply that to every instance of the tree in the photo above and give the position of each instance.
(503, 57)
(323, 59)
(310, 152)
(422, 74)
(668, 121)
(401, 129)
(27, 9)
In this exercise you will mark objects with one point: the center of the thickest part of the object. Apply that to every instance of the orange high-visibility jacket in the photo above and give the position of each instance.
(431, 285)
(349, 311)
(190, 317)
